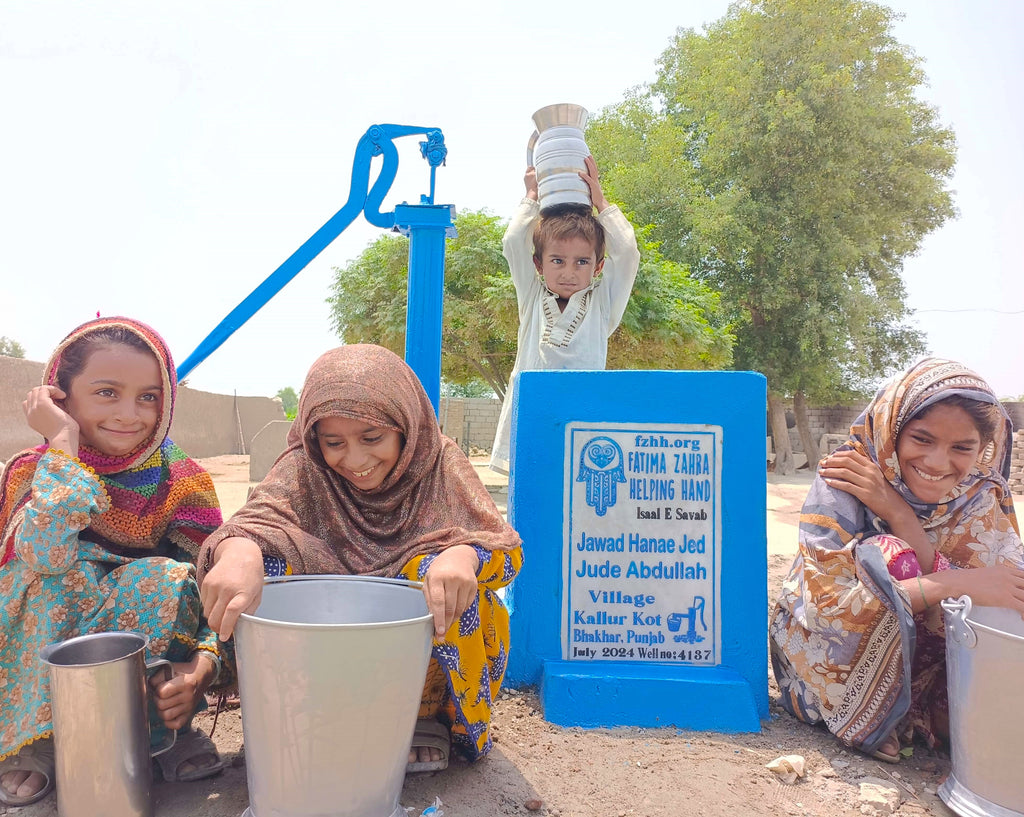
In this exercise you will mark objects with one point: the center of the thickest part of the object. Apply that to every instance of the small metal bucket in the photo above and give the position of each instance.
(984, 668)
(101, 724)
(331, 672)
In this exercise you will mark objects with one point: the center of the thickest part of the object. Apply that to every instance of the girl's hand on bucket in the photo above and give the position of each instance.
(234, 585)
(450, 586)
(999, 586)
(176, 700)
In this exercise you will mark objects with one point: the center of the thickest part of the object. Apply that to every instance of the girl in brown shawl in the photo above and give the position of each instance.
(369, 486)
(912, 509)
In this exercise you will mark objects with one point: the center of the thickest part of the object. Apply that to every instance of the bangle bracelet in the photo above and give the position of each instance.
(921, 588)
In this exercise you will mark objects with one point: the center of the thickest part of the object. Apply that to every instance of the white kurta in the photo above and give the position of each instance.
(578, 337)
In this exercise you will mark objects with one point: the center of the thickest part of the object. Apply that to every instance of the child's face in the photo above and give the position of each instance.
(362, 454)
(116, 399)
(568, 265)
(937, 451)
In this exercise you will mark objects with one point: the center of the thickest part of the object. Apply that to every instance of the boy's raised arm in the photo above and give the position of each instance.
(591, 178)
(622, 259)
(530, 180)
(517, 243)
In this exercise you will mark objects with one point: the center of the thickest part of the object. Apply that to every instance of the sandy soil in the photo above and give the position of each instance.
(607, 773)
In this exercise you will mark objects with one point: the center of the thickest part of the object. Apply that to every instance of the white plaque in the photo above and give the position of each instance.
(642, 541)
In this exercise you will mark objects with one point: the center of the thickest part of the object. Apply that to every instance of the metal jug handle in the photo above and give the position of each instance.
(151, 668)
(957, 611)
(529, 148)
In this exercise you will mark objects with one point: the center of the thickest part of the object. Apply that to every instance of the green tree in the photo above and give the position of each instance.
(672, 321)
(11, 348)
(289, 401)
(784, 155)
(478, 341)
(471, 388)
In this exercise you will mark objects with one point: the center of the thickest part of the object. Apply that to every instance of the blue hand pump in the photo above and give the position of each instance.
(426, 224)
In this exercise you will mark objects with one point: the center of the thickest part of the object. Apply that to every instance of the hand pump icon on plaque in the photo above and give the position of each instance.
(558, 152)
(691, 636)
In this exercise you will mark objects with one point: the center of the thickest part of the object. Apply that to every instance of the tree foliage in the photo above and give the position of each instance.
(11, 348)
(471, 388)
(783, 154)
(289, 401)
(368, 301)
(672, 320)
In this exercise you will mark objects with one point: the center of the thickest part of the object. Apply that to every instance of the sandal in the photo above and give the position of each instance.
(190, 747)
(891, 743)
(433, 735)
(34, 757)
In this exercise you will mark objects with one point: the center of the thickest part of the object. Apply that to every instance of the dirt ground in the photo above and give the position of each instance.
(609, 772)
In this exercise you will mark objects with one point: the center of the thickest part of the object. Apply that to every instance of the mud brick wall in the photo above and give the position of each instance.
(1017, 463)
(470, 421)
(825, 420)
(205, 424)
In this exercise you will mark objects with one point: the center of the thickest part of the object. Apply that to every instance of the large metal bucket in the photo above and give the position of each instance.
(331, 672)
(984, 667)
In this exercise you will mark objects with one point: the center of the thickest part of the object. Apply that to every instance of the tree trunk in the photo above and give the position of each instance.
(490, 379)
(803, 425)
(780, 435)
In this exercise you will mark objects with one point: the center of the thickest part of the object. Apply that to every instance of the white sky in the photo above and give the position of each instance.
(160, 160)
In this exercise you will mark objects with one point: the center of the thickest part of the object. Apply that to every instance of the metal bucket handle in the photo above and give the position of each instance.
(151, 668)
(959, 629)
(530, 146)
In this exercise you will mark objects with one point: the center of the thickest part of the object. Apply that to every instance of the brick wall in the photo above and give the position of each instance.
(825, 420)
(1016, 412)
(1017, 463)
(470, 421)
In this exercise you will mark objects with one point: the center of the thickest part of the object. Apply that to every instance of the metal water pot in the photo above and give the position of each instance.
(558, 152)
(101, 724)
(984, 667)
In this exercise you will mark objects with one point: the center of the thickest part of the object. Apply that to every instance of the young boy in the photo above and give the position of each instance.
(566, 313)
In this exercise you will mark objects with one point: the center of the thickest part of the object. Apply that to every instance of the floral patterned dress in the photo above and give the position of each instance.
(846, 647)
(60, 585)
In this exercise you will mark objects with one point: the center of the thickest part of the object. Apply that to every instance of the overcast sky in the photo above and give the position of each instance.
(160, 160)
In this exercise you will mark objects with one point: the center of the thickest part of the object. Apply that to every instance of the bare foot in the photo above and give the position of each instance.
(23, 784)
(888, 750)
(195, 764)
(424, 754)
(430, 744)
(194, 757)
(891, 746)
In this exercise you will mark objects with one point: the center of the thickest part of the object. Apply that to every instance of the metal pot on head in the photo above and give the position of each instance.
(558, 152)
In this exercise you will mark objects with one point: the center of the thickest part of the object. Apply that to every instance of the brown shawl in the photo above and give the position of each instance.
(312, 517)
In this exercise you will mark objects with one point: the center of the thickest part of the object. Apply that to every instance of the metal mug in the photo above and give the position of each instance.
(558, 152)
(101, 724)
